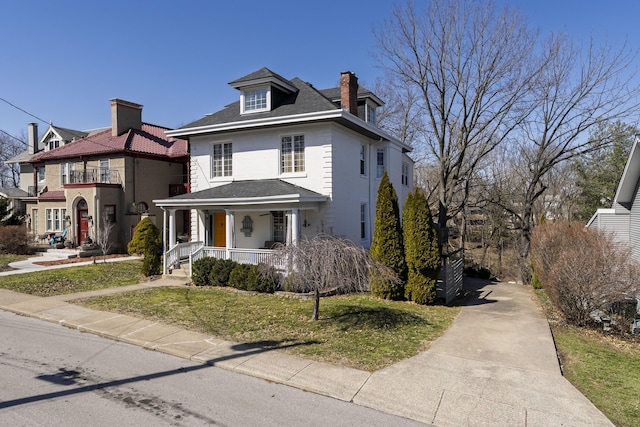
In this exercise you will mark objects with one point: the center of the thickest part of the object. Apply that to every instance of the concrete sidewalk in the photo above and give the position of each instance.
(30, 264)
(496, 366)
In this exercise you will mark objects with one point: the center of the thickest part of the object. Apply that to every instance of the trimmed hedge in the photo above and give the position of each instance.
(223, 272)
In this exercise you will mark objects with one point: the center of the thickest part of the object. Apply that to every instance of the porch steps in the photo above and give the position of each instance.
(179, 273)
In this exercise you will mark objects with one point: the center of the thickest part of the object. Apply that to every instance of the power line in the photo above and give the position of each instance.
(16, 138)
(24, 111)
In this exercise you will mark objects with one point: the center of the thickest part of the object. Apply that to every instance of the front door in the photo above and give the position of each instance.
(83, 222)
(219, 229)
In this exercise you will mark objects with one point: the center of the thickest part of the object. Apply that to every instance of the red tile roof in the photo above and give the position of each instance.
(151, 140)
(52, 195)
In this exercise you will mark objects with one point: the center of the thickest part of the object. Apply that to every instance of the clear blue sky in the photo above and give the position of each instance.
(63, 60)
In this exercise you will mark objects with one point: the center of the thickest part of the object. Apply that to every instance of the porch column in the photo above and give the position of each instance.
(164, 244)
(295, 215)
(172, 227)
(229, 232)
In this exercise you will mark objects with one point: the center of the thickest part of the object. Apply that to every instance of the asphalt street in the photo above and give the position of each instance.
(55, 376)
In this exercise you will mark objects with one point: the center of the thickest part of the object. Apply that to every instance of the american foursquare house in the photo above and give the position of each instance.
(285, 161)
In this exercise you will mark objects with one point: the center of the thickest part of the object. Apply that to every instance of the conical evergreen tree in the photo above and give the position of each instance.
(387, 246)
(422, 251)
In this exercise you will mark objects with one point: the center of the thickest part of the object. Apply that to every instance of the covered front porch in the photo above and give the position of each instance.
(241, 220)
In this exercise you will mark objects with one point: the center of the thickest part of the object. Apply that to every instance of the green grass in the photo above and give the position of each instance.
(605, 368)
(74, 279)
(353, 330)
(6, 259)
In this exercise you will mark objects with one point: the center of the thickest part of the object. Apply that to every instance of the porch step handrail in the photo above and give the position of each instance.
(180, 252)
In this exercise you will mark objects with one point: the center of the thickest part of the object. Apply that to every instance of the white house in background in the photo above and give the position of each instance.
(284, 161)
(623, 218)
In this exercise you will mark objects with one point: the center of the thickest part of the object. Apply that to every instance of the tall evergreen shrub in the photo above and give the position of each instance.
(422, 251)
(387, 246)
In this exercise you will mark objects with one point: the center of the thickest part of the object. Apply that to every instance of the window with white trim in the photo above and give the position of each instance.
(55, 219)
(279, 225)
(363, 221)
(380, 162)
(370, 113)
(292, 154)
(105, 172)
(405, 173)
(66, 173)
(222, 160)
(363, 159)
(255, 100)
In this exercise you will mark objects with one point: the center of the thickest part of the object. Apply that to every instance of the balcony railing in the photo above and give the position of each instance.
(95, 176)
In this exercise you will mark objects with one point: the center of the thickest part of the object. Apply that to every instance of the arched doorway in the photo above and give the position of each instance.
(82, 213)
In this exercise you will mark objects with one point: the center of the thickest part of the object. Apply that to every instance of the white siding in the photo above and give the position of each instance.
(634, 226)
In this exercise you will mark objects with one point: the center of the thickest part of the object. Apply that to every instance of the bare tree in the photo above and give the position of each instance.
(470, 63)
(577, 90)
(327, 263)
(103, 236)
(10, 147)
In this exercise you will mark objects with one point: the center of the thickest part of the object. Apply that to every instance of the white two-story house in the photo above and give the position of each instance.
(284, 161)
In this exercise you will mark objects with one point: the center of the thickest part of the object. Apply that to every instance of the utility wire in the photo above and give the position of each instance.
(24, 111)
(16, 138)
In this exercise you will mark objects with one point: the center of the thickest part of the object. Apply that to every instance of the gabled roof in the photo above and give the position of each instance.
(630, 176)
(64, 134)
(150, 140)
(246, 192)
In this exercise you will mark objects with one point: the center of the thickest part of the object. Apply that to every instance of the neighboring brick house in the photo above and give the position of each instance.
(112, 173)
(284, 161)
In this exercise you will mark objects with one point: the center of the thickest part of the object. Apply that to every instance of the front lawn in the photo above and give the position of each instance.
(604, 367)
(353, 330)
(70, 280)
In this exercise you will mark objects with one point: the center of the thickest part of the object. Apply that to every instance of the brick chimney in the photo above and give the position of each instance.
(349, 92)
(125, 115)
(33, 138)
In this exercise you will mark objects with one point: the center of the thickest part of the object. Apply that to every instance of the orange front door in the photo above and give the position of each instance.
(83, 225)
(219, 229)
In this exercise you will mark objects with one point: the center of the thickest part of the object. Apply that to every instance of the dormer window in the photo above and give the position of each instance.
(370, 113)
(54, 143)
(255, 100)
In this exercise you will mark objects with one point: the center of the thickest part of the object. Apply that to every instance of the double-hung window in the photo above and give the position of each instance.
(105, 172)
(363, 221)
(292, 154)
(370, 114)
(66, 173)
(380, 162)
(363, 160)
(405, 173)
(222, 160)
(41, 174)
(55, 219)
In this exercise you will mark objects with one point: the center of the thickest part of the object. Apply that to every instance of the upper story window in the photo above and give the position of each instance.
(41, 175)
(255, 100)
(54, 143)
(380, 162)
(105, 172)
(222, 160)
(370, 113)
(405, 173)
(363, 159)
(292, 154)
(66, 173)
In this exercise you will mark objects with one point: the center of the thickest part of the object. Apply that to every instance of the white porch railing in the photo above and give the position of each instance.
(179, 252)
(241, 256)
